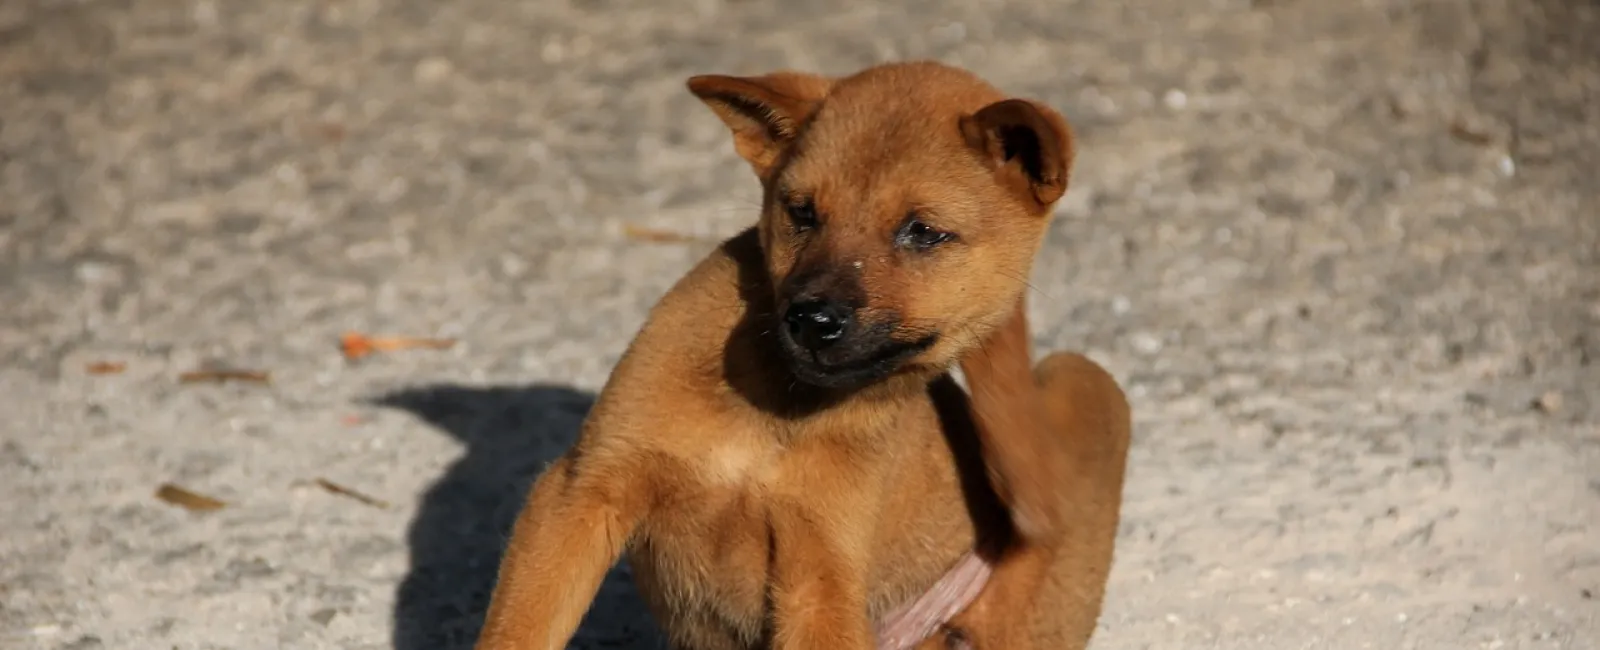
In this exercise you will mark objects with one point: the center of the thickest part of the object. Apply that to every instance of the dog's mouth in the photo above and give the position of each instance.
(856, 370)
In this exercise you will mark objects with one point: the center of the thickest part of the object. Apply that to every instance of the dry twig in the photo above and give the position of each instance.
(335, 488)
(224, 376)
(106, 368)
(191, 501)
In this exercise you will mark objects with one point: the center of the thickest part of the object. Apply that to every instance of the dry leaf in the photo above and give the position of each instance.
(1397, 108)
(106, 367)
(356, 345)
(324, 131)
(645, 233)
(1464, 133)
(187, 500)
(335, 488)
(324, 616)
(223, 376)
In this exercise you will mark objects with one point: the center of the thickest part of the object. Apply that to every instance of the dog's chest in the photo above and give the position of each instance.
(703, 556)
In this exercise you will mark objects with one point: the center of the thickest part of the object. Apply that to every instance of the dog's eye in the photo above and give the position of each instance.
(916, 233)
(803, 214)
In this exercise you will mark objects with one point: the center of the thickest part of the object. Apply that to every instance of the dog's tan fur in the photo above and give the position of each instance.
(760, 510)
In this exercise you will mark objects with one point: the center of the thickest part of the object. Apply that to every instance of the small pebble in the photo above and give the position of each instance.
(432, 70)
(45, 630)
(205, 14)
(1550, 402)
(324, 616)
(1175, 99)
(94, 272)
(955, 32)
(553, 52)
(1507, 166)
(1146, 343)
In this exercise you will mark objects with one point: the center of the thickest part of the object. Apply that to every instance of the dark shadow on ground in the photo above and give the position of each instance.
(510, 434)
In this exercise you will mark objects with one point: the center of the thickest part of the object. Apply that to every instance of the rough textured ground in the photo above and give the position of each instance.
(1335, 250)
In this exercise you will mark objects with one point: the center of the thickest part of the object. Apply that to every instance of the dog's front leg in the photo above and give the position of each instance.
(1055, 439)
(574, 527)
(821, 528)
(1026, 460)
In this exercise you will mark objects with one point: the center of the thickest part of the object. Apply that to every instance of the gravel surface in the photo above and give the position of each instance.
(1345, 256)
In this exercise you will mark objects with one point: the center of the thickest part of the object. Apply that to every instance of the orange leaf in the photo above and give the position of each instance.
(106, 367)
(646, 233)
(356, 345)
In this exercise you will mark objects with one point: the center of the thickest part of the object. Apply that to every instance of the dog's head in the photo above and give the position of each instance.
(902, 209)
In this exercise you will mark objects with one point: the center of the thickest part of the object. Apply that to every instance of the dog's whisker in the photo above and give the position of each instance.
(1026, 282)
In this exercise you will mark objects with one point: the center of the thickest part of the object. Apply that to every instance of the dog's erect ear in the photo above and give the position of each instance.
(765, 112)
(1027, 143)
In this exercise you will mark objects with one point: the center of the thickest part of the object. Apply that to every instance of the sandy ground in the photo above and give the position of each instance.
(1345, 256)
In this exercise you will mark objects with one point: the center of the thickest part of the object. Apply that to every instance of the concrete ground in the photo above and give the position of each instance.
(1345, 256)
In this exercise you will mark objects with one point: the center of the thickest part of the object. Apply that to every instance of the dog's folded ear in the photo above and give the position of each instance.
(1027, 143)
(765, 112)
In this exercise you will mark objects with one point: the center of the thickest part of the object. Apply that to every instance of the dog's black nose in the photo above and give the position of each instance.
(816, 324)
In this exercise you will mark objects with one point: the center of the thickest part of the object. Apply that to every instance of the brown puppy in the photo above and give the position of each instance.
(781, 452)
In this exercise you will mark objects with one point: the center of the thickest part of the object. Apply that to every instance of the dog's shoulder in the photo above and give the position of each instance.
(669, 391)
(683, 342)
(710, 301)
